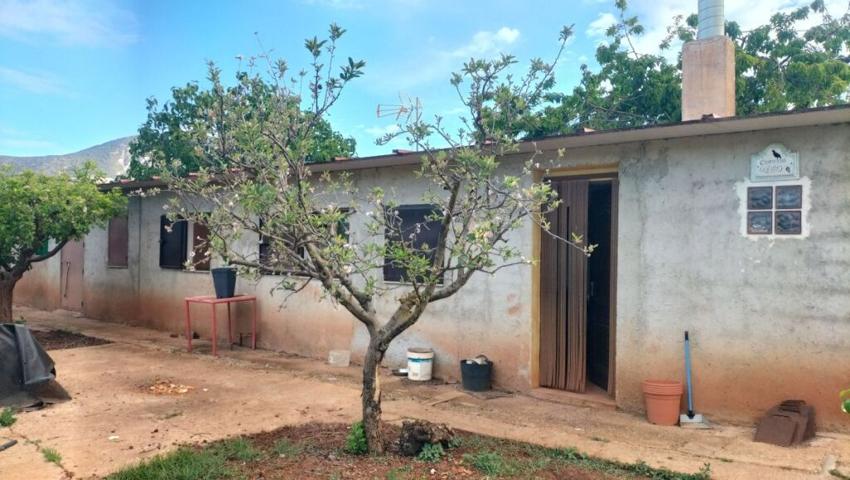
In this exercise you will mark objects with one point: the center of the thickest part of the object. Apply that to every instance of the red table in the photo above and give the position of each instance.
(213, 301)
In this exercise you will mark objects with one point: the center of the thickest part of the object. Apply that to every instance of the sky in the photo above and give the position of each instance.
(74, 74)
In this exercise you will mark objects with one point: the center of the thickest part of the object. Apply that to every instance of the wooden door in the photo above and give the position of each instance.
(71, 276)
(563, 290)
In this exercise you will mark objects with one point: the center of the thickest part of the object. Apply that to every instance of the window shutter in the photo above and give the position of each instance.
(172, 245)
(117, 242)
(429, 234)
(200, 236)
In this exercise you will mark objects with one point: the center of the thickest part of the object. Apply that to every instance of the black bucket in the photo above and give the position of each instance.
(476, 377)
(224, 281)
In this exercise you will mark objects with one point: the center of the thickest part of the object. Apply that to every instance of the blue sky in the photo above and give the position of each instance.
(75, 74)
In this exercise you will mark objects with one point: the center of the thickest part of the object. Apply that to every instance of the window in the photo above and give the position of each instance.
(775, 210)
(271, 262)
(172, 243)
(117, 242)
(267, 255)
(200, 239)
(418, 228)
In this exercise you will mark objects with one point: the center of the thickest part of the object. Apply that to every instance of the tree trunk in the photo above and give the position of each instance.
(372, 397)
(7, 285)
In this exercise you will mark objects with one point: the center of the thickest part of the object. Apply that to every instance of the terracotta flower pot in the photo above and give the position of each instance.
(663, 399)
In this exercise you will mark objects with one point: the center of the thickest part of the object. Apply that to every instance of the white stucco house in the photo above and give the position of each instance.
(735, 229)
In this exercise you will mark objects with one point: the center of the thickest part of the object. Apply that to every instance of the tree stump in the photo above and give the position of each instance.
(416, 433)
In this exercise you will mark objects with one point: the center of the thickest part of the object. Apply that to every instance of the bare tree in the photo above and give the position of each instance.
(255, 137)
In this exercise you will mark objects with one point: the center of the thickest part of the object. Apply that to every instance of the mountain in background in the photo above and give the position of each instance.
(112, 158)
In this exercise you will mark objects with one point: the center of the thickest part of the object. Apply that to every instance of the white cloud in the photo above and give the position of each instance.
(380, 131)
(597, 28)
(39, 83)
(87, 22)
(487, 43)
(437, 63)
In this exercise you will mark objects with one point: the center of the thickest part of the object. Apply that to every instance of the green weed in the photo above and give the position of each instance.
(355, 442)
(7, 417)
(51, 455)
(431, 452)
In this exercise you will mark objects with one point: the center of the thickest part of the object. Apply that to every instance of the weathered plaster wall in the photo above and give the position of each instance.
(492, 317)
(39, 287)
(770, 318)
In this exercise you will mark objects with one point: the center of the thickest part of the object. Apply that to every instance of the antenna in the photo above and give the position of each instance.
(406, 107)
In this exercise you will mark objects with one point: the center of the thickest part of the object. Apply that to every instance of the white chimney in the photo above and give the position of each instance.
(711, 19)
(708, 67)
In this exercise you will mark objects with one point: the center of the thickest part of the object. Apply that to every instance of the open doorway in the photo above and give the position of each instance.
(577, 292)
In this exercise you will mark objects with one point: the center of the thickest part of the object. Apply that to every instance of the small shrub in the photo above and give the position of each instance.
(355, 442)
(431, 452)
(50, 455)
(7, 417)
(488, 463)
(285, 448)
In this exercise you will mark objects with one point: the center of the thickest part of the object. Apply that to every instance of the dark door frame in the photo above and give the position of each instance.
(603, 174)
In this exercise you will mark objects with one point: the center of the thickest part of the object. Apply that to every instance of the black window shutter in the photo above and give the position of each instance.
(429, 233)
(173, 244)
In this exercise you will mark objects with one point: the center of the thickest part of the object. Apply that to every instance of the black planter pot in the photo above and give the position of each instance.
(476, 377)
(224, 281)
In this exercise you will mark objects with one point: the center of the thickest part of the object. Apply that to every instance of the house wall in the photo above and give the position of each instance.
(306, 323)
(39, 287)
(769, 317)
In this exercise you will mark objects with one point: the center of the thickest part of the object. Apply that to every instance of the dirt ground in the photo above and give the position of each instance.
(313, 453)
(115, 419)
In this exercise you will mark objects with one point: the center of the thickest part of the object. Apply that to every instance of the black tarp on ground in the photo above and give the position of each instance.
(27, 373)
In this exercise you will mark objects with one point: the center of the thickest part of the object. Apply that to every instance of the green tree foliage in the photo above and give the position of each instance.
(36, 208)
(168, 138)
(779, 67)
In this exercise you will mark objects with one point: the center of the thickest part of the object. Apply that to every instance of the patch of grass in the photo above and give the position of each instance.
(183, 464)
(236, 449)
(283, 447)
(524, 460)
(399, 473)
(431, 452)
(51, 455)
(355, 442)
(488, 463)
(835, 473)
(7, 417)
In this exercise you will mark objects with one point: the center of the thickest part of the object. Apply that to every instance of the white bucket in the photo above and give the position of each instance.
(420, 363)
